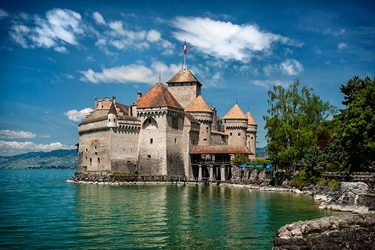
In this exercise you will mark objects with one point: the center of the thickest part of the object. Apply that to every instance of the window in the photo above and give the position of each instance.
(239, 134)
(151, 140)
(175, 140)
(149, 120)
(90, 162)
(98, 160)
(175, 122)
(230, 134)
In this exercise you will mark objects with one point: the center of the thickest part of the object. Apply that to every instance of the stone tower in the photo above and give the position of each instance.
(112, 117)
(236, 126)
(184, 87)
(251, 134)
(202, 113)
(160, 147)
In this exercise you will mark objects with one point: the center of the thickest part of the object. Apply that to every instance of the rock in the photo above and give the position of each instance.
(335, 232)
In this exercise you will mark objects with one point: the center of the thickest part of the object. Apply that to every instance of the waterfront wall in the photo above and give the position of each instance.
(354, 231)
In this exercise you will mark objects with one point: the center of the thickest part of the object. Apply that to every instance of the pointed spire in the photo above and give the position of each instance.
(112, 109)
(235, 113)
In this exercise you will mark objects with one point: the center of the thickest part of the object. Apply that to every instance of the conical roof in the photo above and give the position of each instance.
(198, 105)
(158, 96)
(235, 113)
(112, 109)
(250, 119)
(184, 75)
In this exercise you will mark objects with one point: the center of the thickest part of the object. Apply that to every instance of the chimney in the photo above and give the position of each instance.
(114, 99)
(139, 95)
(96, 102)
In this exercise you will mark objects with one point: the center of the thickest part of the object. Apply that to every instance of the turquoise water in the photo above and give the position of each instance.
(39, 210)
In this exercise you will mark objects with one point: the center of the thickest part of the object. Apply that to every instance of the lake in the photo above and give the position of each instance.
(39, 209)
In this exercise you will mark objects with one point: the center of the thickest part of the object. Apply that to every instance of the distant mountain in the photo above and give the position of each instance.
(261, 152)
(55, 159)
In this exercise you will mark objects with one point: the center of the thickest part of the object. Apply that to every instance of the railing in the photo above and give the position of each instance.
(211, 163)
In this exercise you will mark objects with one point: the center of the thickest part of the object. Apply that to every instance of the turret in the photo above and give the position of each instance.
(112, 116)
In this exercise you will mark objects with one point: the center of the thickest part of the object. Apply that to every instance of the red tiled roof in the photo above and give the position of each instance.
(158, 96)
(197, 150)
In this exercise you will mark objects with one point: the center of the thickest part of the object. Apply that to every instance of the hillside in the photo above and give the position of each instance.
(55, 159)
(261, 152)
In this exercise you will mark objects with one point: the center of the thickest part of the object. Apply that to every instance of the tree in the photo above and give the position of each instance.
(240, 159)
(314, 160)
(293, 122)
(358, 122)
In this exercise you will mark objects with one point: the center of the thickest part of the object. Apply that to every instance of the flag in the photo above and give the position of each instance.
(185, 48)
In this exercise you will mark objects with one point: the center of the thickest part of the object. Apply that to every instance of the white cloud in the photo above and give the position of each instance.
(341, 46)
(226, 40)
(334, 32)
(153, 35)
(98, 18)
(269, 69)
(3, 13)
(58, 28)
(270, 83)
(288, 67)
(134, 73)
(291, 67)
(77, 116)
(8, 148)
(16, 134)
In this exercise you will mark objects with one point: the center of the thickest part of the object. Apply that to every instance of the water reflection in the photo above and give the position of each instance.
(167, 216)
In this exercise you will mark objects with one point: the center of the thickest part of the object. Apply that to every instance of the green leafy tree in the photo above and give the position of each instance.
(358, 122)
(240, 159)
(314, 160)
(293, 122)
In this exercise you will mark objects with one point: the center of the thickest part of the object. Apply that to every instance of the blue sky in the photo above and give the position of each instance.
(56, 56)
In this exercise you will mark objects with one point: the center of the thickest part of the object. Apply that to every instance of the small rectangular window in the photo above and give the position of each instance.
(151, 140)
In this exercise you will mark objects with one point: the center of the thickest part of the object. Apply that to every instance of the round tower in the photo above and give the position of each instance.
(199, 109)
(112, 117)
(251, 132)
(236, 126)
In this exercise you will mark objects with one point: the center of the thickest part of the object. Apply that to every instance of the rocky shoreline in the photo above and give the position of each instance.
(354, 231)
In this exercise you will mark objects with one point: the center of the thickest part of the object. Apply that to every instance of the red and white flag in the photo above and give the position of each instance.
(185, 48)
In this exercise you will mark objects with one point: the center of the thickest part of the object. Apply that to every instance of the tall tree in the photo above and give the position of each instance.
(358, 122)
(293, 122)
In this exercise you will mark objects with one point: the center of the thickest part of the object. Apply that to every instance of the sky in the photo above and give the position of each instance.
(57, 56)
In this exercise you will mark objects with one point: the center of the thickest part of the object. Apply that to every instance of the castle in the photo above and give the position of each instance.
(164, 134)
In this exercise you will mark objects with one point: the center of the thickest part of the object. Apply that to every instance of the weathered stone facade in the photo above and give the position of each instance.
(153, 138)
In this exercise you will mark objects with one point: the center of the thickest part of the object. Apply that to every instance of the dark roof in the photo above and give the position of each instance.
(220, 150)
(112, 109)
(158, 96)
(123, 108)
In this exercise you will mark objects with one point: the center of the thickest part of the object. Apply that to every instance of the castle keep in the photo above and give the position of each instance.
(164, 134)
